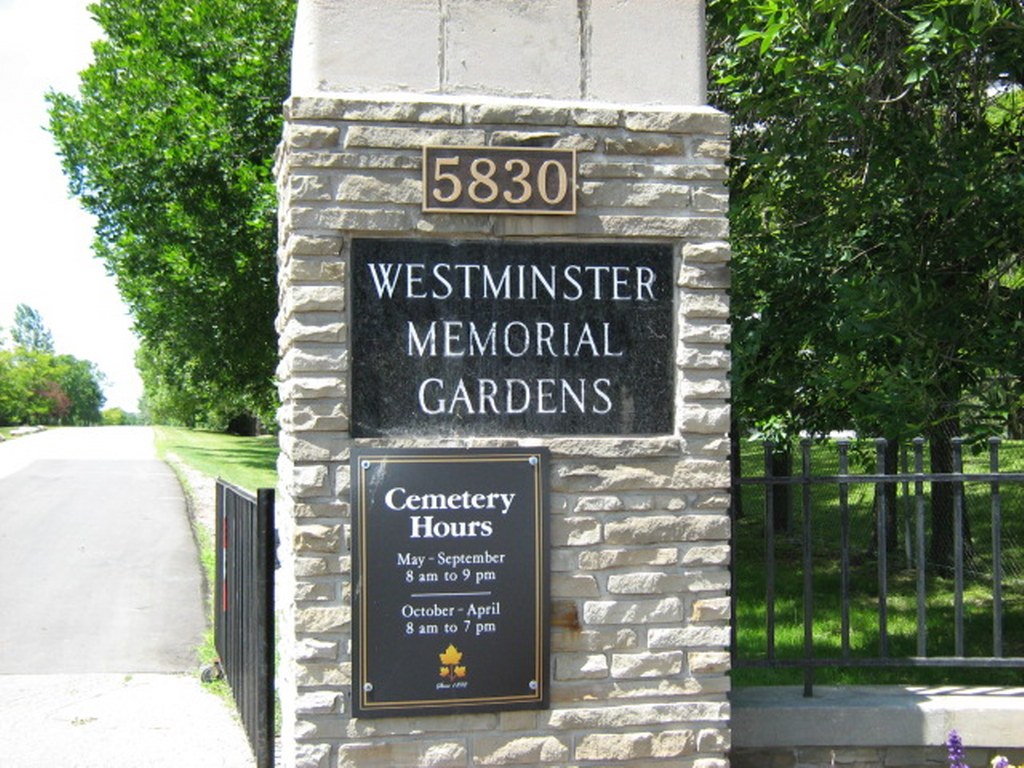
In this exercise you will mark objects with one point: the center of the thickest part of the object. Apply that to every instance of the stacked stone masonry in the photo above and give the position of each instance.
(639, 525)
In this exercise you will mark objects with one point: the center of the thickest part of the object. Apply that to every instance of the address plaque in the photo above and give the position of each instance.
(528, 180)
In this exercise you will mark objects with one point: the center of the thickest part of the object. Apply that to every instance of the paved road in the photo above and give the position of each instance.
(102, 608)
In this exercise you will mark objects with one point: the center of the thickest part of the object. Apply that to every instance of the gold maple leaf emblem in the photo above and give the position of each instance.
(451, 669)
(451, 656)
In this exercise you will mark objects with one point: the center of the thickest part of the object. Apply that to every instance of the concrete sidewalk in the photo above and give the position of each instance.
(81, 686)
(116, 721)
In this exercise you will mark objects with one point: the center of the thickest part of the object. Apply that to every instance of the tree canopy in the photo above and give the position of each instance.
(877, 196)
(169, 143)
(38, 386)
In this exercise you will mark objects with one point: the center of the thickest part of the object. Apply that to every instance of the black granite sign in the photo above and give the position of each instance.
(499, 337)
(450, 595)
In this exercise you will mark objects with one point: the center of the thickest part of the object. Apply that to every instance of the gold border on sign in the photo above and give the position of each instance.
(539, 548)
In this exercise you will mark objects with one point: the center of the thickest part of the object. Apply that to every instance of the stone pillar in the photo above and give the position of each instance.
(639, 535)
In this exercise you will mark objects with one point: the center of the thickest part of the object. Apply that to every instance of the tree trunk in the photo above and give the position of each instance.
(891, 467)
(940, 448)
(782, 467)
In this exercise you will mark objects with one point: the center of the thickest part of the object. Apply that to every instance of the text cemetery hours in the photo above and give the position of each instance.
(450, 579)
(499, 337)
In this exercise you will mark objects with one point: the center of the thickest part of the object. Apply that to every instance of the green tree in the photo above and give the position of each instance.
(170, 144)
(877, 212)
(82, 383)
(29, 331)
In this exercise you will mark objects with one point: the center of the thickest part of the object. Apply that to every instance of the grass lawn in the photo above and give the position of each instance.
(248, 462)
(901, 603)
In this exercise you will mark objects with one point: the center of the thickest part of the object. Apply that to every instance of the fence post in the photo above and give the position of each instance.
(808, 542)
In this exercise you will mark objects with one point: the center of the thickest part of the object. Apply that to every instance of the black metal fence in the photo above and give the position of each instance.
(244, 612)
(908, 541)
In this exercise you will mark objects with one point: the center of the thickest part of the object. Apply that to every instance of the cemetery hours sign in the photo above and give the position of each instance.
(508, 337)
(450, 595)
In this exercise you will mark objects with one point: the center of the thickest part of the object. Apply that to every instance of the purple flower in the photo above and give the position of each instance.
(1001, 762)
(955, 747)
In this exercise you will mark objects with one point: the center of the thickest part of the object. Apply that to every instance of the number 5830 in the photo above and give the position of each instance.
(502, 180)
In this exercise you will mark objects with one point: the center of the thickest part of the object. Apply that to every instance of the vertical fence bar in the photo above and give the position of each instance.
(844, 545)
(997, 551)
(908, 537)
(958, 547)
(883, 547)
(769, 551)
(264, 602)
(244, 621)
(808, 560)
(922, 599)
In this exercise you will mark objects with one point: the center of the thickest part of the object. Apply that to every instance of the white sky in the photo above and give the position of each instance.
(46, 257)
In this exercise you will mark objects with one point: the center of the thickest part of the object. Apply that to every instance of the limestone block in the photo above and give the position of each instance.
(485, 40)
(674, 743)
(594, 116)
(707, 662)
(646, 51)
(307, 591)
(594, 640)
(313, 387)
(714, 149)
(707, 253)
(632, 612)
(575, 531)
(634, 715)
(701, 275)
(361, 188)
(574, 585)
(710, 201)
(578, 666)
(692, 636)
(317, 538)
(450, 753)
(616, 558)
(631, 665)
(361, 45)
(306, 269)
(613, 746)
(713, 740)
(715, 555)
(696, 120)
(308, 187)
(317, 703)
(301, 137)
(598, 504)
(644, 583)
(305, 481)
(317, 298)
(521, 750)
(312, 649)
(635, 194)
(712, 609)
(628, 144)
(318, 675)
(325, 358)
(517, 721)
(312, 756)
(317, 619)
(703, 357)
(703, 331)
(402, 137)
(714, 305)
(653, 529)
(705, 418)
(411, 110)
(511, 112)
